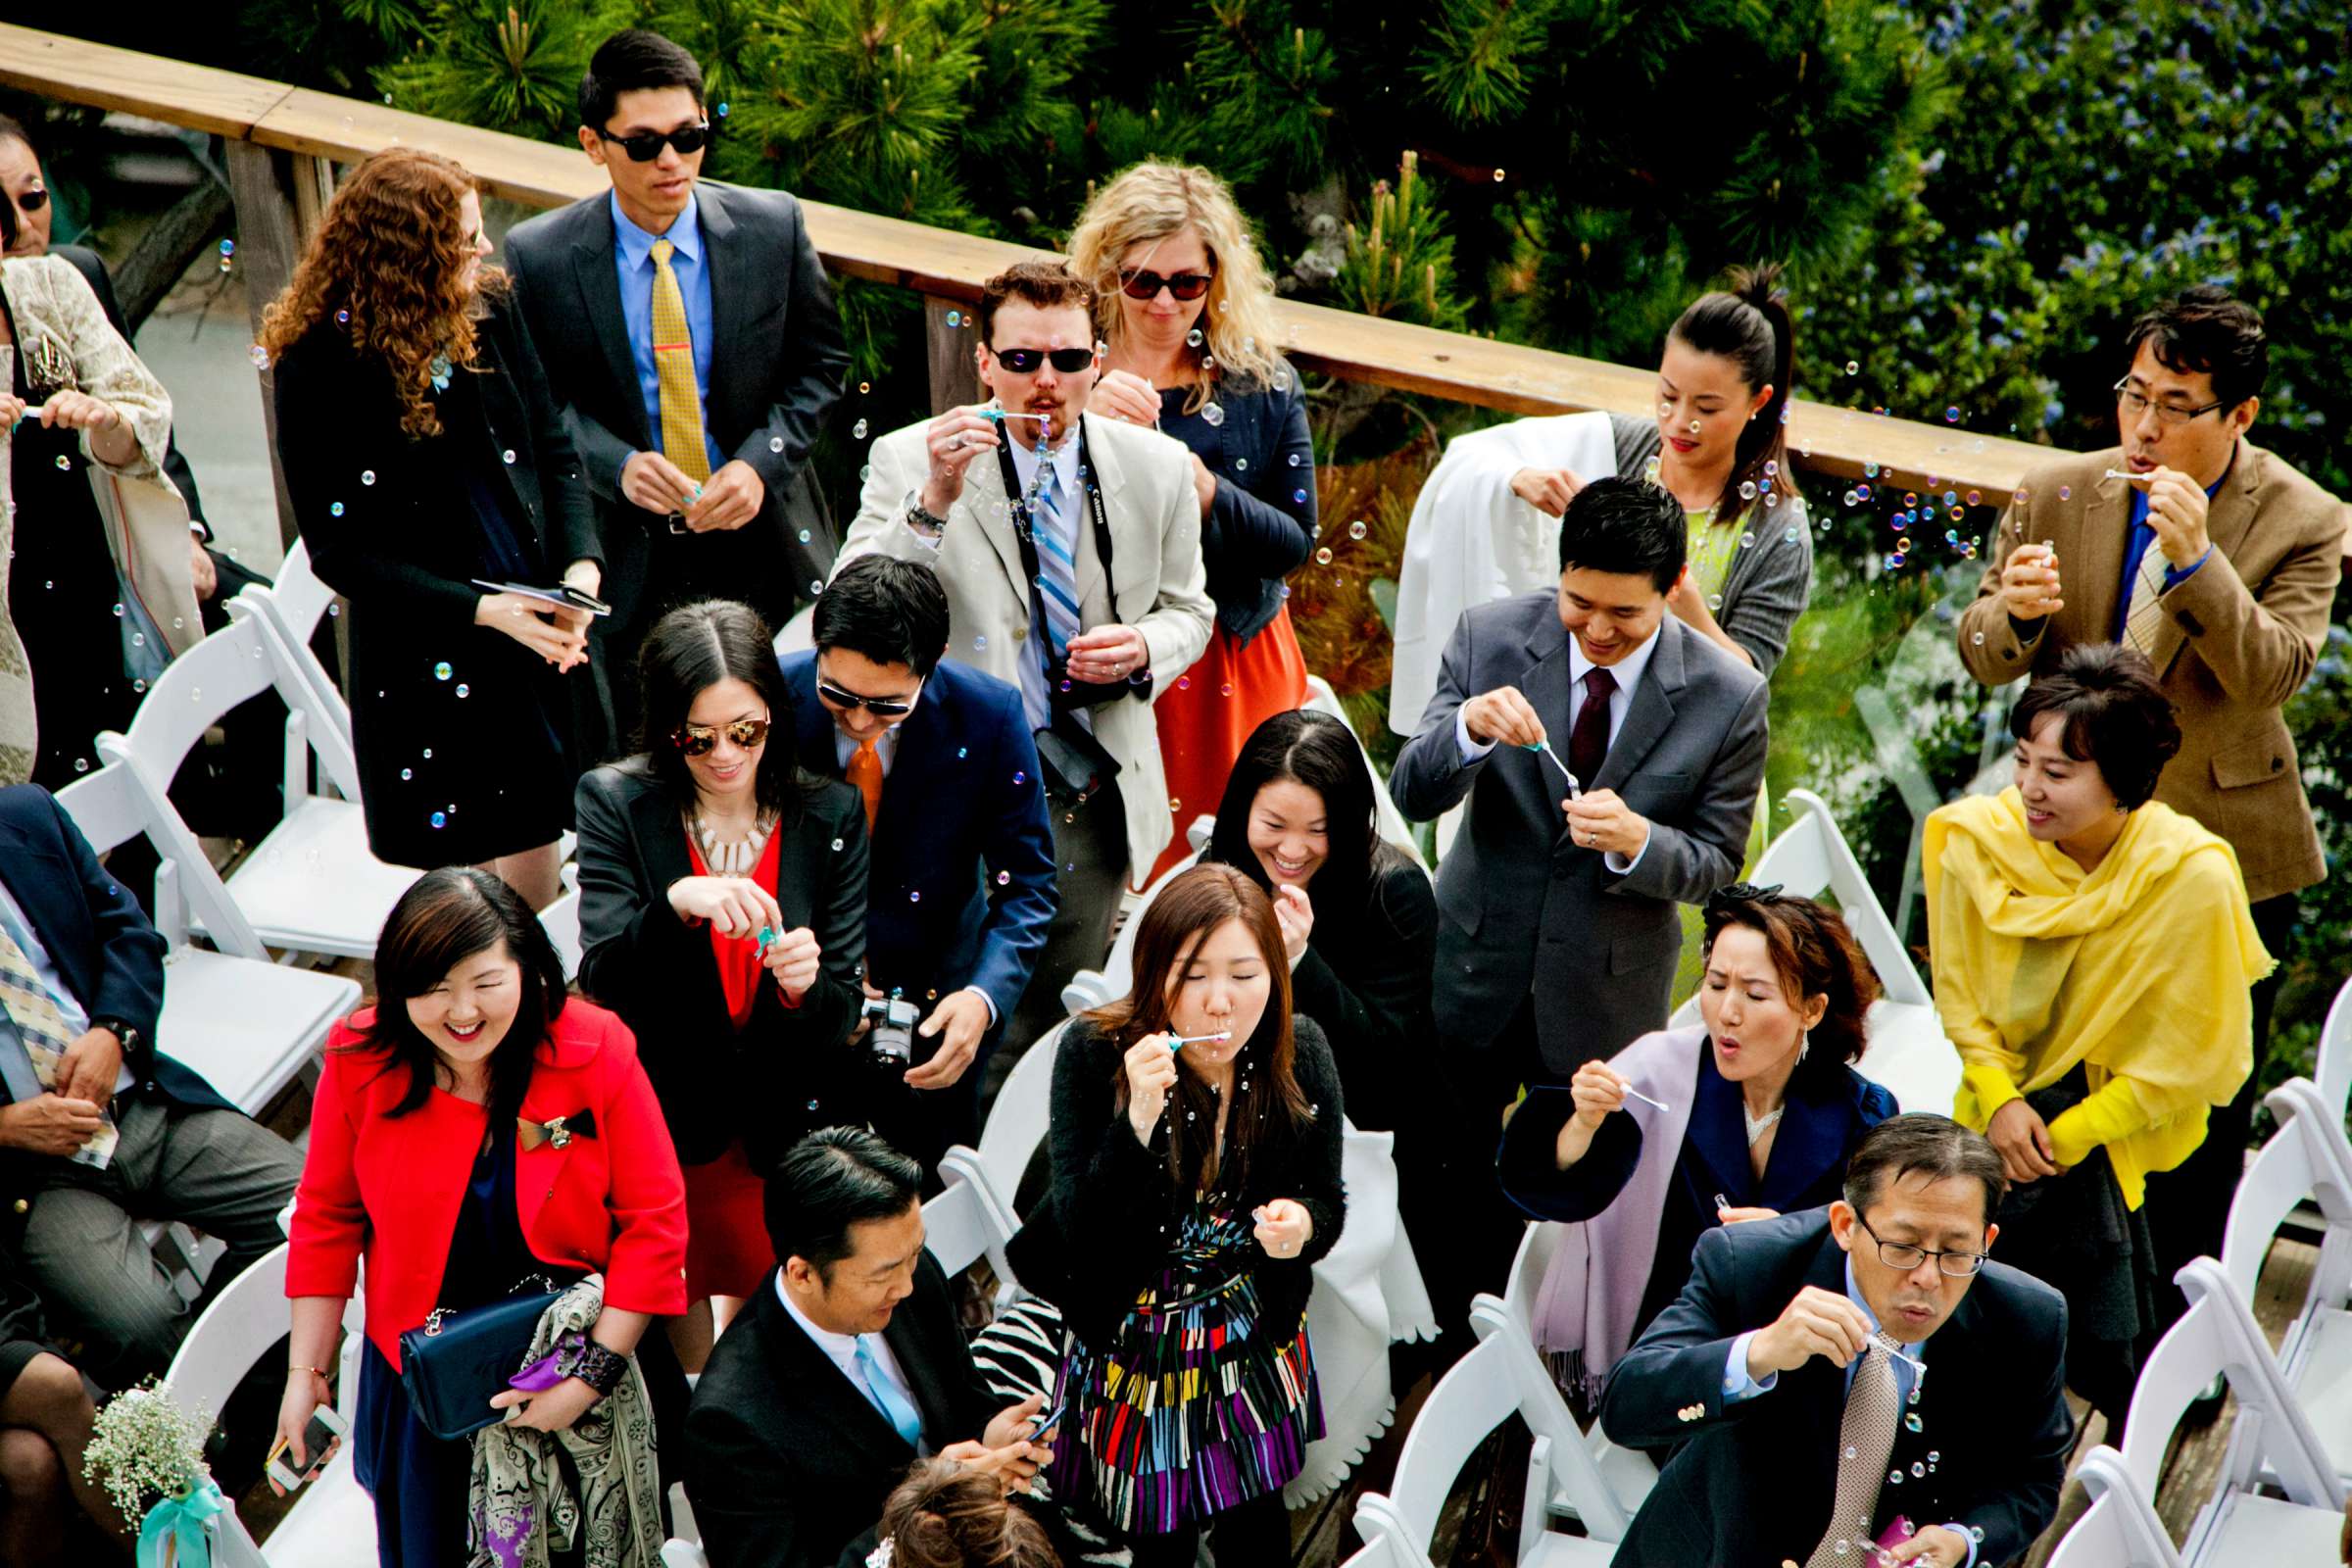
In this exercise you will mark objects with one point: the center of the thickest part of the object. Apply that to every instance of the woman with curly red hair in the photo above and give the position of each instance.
(424, 453)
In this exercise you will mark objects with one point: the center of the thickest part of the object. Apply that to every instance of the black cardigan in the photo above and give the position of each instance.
(790, 1069)
(1104, 1235)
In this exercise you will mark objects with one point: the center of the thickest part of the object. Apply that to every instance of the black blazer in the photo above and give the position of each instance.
(1102, 1235)
(1752, 1483)
(790, 1069)
(776, 363)
(787, 1464)
(107, 954)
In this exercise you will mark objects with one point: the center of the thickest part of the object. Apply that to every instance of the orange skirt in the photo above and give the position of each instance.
(728, 1250)
(1207, 716)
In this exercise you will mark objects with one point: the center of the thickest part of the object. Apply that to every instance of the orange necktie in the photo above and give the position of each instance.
(865, 771)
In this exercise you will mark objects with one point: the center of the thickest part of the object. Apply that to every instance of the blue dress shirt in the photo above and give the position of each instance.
(1738, 1385)
(633, 259)
(2138, 542)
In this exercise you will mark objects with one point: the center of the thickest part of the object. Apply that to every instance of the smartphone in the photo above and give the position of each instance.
(325, 1426)
(1046, 1421)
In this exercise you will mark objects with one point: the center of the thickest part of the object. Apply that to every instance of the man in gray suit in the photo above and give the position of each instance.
(691, 334)
(1557, 934)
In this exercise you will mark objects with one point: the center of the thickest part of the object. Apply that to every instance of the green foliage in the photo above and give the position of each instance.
(513, 67)
(1401, 262)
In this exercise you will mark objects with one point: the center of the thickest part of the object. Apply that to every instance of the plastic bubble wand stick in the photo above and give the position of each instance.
(1543, 748)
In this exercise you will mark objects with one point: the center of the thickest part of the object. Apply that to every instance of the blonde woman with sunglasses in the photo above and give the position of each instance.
(723, 916)
(1186, 313)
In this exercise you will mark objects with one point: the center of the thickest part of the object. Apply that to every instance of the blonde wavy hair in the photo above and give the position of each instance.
(1150, 202)
(388, 265)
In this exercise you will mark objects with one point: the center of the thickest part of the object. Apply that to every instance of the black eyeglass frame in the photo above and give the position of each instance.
(879, 707)
(2170, 415)
(1925, 1252)
(646, 146)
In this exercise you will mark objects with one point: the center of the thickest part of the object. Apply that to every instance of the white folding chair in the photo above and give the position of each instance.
(1629, 1475)
(2237, 1525)
(967, 1221)
(310, 885)
(1016, 1122)
(1907, 1050)
(331, 1521)
(796, 635)
(2314, 1353)
(245, 1025)
(2121, 1530)
(1501, 1377)
(679, 1553)
(1088, 988)
(562, 921)
(294, 604)
(2333, 1073)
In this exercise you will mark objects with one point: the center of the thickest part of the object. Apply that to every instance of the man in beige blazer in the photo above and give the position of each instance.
(2219, 561)
(1088, 647)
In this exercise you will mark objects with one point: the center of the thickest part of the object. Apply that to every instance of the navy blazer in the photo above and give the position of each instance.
(1752, 1483)
(1262, 523)
(962, 885)
(105, 950)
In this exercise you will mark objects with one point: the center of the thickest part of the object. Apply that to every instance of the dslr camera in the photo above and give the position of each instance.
(894, 1018)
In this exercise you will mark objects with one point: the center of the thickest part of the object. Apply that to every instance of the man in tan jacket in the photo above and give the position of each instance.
(2220, 563)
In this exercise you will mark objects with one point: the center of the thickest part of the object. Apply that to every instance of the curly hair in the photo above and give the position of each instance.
(945, 1516)
(1152, 201)
(388, 267)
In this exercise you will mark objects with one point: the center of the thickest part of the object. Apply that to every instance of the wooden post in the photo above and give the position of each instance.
(954, 379)
(269, 241)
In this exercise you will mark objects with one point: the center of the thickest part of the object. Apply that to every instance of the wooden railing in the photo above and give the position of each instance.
(283, 143)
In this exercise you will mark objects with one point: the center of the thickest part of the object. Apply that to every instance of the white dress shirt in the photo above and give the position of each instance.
(1626, 672)
(842, 1350)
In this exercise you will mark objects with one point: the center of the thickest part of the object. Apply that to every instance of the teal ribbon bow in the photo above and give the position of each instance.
(181, 1519)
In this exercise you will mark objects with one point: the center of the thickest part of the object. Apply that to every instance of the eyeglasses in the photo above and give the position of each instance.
(1140, 283)
(2171, 415)
(849, 702)
(32, 201)
(646, 145)
(698, 740)
(1903, 1257)
(1024, 362)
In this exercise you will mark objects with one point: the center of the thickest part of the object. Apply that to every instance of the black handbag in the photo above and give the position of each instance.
(457, 1361)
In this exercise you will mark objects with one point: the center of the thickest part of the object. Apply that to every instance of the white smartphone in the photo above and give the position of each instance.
(325, 1426)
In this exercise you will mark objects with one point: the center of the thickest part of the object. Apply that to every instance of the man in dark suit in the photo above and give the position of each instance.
(691, 335)
(834, 1378)
(96, 1125)
(961, 889)
(1557, 932)
(1793, 1372)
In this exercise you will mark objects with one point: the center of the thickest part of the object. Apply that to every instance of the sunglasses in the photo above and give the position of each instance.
(1024, 362)
(849, 702)
(698, 740)
(32, 201)
(1140, 283)
(646, 145)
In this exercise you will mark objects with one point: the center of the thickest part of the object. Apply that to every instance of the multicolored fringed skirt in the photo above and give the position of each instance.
(1189, 1411)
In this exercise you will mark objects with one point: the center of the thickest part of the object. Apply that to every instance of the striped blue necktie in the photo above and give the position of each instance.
(1056, 562)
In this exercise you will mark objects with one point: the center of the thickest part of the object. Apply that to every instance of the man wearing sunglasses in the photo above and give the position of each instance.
(961, 882)
(1790, 1382)
(1073, 572)
(689, 329)
(2219, 561)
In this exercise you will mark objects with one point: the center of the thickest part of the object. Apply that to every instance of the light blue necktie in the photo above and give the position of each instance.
(1056, 562)
(878, 1388)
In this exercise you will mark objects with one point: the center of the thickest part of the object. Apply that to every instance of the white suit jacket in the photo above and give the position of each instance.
(1160, 587)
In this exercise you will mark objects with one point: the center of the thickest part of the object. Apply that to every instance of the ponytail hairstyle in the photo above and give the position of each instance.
(1749, 324)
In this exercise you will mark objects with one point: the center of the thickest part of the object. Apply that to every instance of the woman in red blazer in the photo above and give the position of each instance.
(472, 1130)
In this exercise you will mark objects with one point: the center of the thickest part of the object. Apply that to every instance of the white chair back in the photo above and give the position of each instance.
(2333, 1074)
(1016, 1123)
(1088, 988)
(2218, 1335)
(1582, 1488)
(2296, 1164)
(956, 1228)
(233, 1332)
(325, 724)
(2122, 1529)
(1811, 855)
(989, 1212)
(1538, 1247)
(301, 598)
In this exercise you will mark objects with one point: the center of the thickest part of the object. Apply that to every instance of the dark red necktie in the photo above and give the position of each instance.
(1589, 737)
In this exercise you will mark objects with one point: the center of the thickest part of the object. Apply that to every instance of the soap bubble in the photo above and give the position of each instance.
(1294, 460)
(118, 610)
(1003, 878)
(1853, 366)
(1323, 557)
(508, 455)
(464, 690)
(955, 319)
(1298, 497)
(915, 896)
(440, 819)
(63, 462)
(1747, 489)
(366, 476)
(1978, 638)
(1912, 1423)
(1951, 415)
(1193, 337)
(1357, 530)
(336, 509)
(260, 357)
(775, 442)
(441, 671)
(1210, 413)
(1020, 778)
(837, 846)
(857, 430)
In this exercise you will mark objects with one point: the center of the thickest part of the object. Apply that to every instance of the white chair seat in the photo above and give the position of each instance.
(1556, 1551)
(2319, 1371)
(2253, 1528)
(247, 1028)
(332, 1524)
(312, 885)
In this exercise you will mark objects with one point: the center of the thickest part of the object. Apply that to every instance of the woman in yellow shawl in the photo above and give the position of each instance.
(2092, 949)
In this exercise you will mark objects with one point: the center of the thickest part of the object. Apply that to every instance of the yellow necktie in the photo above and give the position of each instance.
(673, 365)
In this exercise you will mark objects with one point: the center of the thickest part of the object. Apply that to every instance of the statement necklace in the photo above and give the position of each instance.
(1759, 1126)
(735, 857)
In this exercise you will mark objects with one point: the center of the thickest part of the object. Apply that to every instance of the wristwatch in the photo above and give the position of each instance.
(131, 1038)
(922, 522)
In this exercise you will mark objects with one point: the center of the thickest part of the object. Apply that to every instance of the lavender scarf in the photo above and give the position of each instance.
(1585, 1310)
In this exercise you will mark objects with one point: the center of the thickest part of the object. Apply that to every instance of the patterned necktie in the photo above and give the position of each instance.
(2146, 614)
(1589, 736)
(1056, 561)
(864, 771)
(903, 1418)
(1865, 1442)
(673, 366)
(42, 1029)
